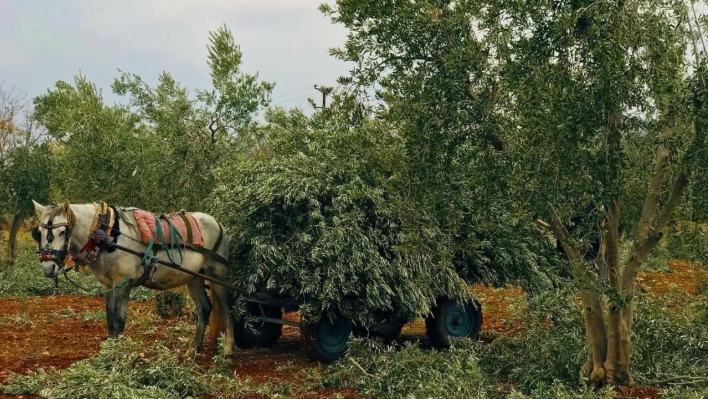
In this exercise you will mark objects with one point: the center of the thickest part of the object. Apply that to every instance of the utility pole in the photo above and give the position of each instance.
(325, 90)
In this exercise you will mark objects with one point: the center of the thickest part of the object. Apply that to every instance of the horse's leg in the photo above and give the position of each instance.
(201, 300)
(223, 295)
(109, 313)
(117, 310)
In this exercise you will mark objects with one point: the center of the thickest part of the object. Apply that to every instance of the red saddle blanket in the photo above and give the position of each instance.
(147, 223)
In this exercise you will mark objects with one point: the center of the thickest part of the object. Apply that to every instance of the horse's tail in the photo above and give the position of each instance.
(217, 319)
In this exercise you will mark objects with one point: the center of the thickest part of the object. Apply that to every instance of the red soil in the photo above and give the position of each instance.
(49, 331)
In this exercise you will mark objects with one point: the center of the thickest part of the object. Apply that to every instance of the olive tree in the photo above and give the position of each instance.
(24, 162)
(158, 151)
(535, 109)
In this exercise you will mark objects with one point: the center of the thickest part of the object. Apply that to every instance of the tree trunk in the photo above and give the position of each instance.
(12, 239)
(596, 332)
(618, 333)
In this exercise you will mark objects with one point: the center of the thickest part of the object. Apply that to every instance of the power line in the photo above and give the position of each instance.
(292, 92)
(296, 98)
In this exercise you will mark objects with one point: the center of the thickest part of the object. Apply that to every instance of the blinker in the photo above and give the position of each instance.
(36, 235)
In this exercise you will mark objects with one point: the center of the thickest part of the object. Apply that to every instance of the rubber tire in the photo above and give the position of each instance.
(266, 334)
(439, 329)
(315, 336)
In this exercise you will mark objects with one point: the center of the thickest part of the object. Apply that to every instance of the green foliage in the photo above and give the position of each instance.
(689, 242)
(658, 259)
(121, 370)
(550, 349)
(23, 177)
(671, 337)
(24, 277)
(436, 79)
(314, 213)
(170, 304)
(158, 152)
(195, 133)
(378, 371)
(94, 315)
(668, 341)
(101, 153)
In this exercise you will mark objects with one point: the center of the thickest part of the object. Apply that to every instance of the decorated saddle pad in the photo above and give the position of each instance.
(185, 224)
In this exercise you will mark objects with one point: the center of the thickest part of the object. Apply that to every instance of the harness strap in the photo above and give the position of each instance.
(218, 240)
(188, 227)
(210, 252)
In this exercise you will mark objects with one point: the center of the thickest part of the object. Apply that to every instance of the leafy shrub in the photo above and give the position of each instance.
(374, 370)
(170, 304)
(23, 276)
(379, 371)
(321, 211)
(559, 391)
(670, 337)
(549, 349)
(121, 370)
(689, 242)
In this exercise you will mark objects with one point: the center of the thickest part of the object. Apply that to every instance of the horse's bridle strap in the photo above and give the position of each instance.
(53, 226)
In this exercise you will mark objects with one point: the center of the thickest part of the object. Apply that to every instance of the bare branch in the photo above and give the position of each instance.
(214, 127)
(641, 251)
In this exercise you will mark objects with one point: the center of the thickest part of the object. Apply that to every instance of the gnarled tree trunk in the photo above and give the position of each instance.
(12, 239)
(609, 336)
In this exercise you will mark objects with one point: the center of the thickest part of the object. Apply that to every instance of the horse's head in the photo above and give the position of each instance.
(52, 235)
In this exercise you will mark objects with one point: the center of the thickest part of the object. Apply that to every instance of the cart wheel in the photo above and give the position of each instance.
(327, 340)
(262, 333)
(387, 327)
(451, 320)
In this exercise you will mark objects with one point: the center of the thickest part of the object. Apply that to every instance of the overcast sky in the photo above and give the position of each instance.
(285, 41)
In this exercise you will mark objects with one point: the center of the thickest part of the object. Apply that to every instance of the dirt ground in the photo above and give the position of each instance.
(56, 331)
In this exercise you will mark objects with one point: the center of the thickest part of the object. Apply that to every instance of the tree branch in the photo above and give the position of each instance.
(595, 330)
(651, 200)
(641, 251)
(213, 129)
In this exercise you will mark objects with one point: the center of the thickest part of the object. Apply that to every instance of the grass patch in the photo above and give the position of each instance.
(93, 315)
(15, 320)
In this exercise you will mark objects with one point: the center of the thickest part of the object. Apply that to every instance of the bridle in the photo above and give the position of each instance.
(105, 219)
(47, 253)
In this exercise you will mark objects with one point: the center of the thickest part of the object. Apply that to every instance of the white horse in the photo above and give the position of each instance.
(68, 228)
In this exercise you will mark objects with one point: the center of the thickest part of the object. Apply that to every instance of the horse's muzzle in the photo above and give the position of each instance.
(50, 269)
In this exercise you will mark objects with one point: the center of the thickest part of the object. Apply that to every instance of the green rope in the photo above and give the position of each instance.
(123, 283)
(174, 243)
(119, 286)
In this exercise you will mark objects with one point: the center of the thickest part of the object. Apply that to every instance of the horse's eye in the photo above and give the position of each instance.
(62, 233)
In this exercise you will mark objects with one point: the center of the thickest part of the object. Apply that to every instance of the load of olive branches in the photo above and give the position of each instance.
(317, 211)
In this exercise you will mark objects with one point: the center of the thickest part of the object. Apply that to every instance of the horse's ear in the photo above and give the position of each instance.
(66, 207)
(38, 208)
